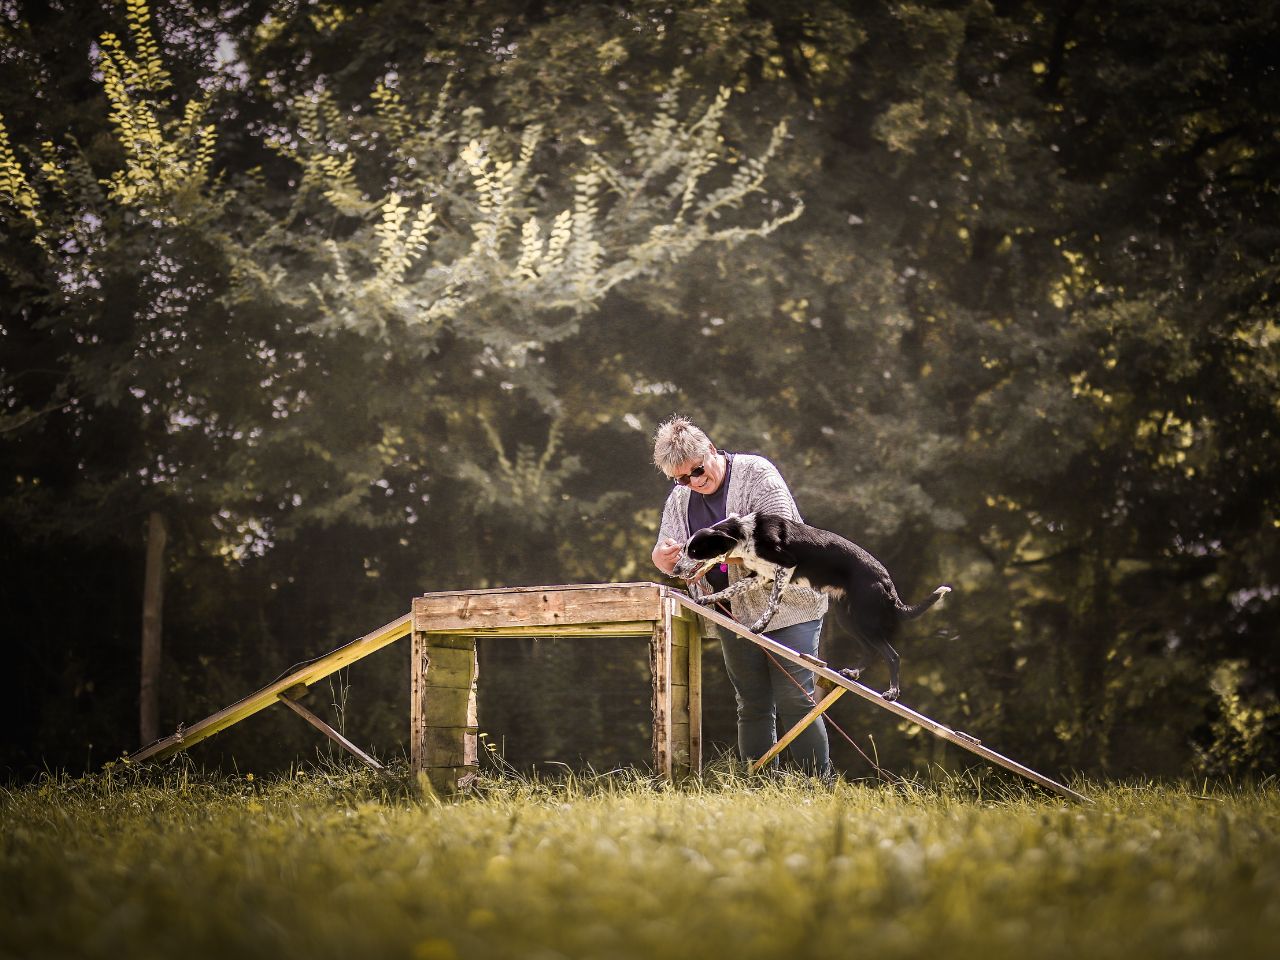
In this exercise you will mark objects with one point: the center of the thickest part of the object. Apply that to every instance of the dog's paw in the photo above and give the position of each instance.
(758, 626)
(853, 673)
(892, 694)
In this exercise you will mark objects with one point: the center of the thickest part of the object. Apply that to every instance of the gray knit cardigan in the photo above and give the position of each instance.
(755, 485)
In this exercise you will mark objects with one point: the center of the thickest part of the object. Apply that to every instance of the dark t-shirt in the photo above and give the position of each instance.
(706, 510)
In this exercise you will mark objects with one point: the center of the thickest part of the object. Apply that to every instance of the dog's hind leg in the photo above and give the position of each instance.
(881, 646)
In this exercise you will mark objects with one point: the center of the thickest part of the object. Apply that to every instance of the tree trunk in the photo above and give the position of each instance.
(152, 619)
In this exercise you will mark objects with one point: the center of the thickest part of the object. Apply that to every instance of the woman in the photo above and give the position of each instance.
(709, 485)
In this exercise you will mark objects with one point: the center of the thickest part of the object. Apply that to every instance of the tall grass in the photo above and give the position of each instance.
(328, 862)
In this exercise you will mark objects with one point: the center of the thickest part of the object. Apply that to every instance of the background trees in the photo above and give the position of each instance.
(1020, 338)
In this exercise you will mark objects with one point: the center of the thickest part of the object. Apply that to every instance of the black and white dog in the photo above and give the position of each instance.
(783, 551)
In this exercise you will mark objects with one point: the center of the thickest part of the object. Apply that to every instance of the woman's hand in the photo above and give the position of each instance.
(665, 555)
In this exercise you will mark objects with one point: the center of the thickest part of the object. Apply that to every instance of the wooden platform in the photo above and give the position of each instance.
(443, 736)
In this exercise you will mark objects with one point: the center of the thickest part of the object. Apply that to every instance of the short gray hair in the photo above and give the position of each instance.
(678, 441)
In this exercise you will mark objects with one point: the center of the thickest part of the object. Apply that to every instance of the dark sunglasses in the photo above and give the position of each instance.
(686, 478)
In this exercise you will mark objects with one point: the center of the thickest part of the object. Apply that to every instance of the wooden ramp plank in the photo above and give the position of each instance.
(307, 674)
(941, 730)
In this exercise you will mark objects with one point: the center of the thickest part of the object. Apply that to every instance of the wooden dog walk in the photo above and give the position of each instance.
(444, 743)
(843, 683)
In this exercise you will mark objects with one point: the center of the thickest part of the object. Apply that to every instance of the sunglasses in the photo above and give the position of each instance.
(686, 478)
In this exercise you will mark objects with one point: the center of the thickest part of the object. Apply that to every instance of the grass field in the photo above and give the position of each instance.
(334, 863)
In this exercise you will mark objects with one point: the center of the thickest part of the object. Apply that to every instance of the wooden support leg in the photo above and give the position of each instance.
(290, 699)
(695, 697)
(444, 745)
(675, 655)
(678, 664)
(785, 740)
(660, 656)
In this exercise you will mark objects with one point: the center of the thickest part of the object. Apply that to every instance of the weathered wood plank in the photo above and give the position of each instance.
(443, 744)
(559, 587)
(680, 758)
(537, 607)
(684, 692)
(450, 666)
(695, 695)
(584, 631)
(445, 705)
(679, 657)
(660, 653)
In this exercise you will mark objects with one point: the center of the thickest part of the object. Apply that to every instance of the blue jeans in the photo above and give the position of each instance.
(765, 694)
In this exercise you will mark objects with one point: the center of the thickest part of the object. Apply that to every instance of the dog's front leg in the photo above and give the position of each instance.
(781, 577)
(728, 593)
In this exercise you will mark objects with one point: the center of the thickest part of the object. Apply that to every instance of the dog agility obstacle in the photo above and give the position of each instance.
(444, 744)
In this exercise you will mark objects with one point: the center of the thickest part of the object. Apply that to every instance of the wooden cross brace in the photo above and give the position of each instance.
(785, 740)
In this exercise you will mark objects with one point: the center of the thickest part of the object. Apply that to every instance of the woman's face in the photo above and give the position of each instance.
(704, 474)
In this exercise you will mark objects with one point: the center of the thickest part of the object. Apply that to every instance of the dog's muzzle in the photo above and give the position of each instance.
(703, 570)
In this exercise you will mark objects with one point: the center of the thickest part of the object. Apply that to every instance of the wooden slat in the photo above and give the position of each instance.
(941, 730)
(450, 667)
(329, 732)
(445, 705)
(694, 659)
(558, 587)
(557, 606)
(307, 674)
(581, 631)
(660, 653)
(679, 657)
(680, 759)
(450, 746)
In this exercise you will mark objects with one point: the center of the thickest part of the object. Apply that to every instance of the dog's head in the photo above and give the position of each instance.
(717, 542)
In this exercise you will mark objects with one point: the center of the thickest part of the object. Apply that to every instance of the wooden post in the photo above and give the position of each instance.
(444, 741)
(694, 628)
(678, 665)
(660, 652)
(675, 656)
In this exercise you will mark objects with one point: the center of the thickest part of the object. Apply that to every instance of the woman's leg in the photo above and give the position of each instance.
(749, 670)
(793, 692)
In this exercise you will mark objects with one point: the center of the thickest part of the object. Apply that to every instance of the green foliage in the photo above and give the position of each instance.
(472, 236)
(1245, 731)
(332, 863)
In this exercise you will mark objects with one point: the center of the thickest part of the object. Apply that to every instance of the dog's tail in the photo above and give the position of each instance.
(910, 613)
